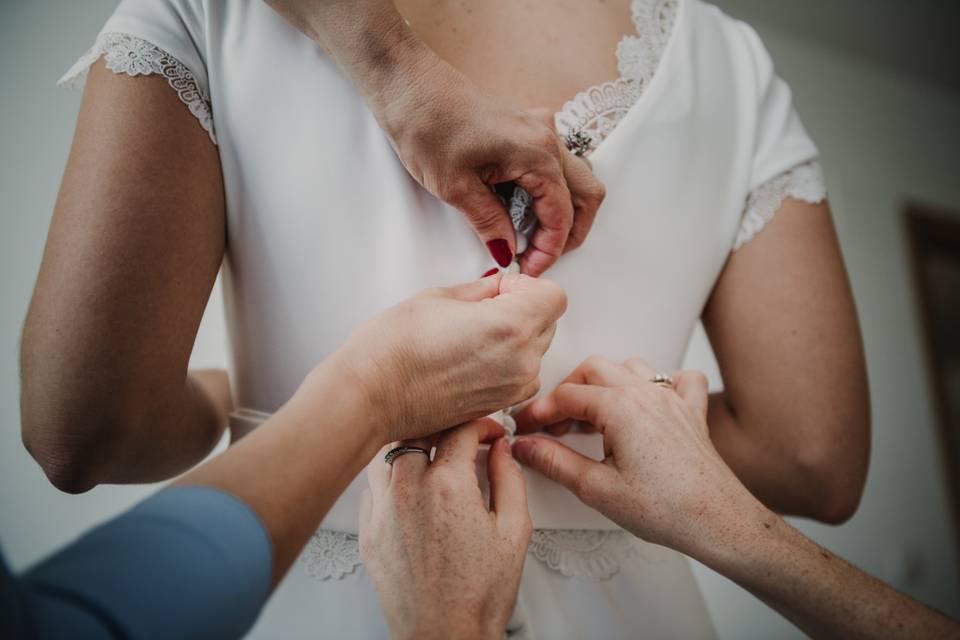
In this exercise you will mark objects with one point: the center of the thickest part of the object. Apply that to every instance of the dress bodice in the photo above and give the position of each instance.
(697, 143)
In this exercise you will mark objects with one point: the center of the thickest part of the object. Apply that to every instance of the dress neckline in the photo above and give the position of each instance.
(600, 110)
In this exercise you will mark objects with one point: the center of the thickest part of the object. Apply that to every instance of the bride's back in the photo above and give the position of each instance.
(538, 53)
(325, 227)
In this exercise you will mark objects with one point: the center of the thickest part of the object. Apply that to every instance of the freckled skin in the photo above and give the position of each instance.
(445, 566)
(685, 497)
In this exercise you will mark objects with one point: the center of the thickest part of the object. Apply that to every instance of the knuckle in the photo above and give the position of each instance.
(487, 219)
(550, 464)
(528, 390)
(546, 139)
(530, 368)
(524, 529)
(432, 292)
(597, 192)
(452, 190)
(507, 330)
(554, 291)
(594, 363)
(444, 482)
(588, 486)
(575, 239)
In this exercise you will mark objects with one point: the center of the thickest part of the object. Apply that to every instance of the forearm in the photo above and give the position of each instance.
(771, 477)
(368, 39)
(822, 594)
(293, 468)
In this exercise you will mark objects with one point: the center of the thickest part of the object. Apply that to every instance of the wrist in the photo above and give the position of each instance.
(734, 531)
(369, 384)
(374, 46)
(722, 523)
(334, 391)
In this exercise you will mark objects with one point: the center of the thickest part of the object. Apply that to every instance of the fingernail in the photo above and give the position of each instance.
(490, 273)
(500, 250)
(522, 449)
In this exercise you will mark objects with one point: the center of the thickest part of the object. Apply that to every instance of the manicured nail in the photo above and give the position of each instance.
(500, 250)
(490, 273)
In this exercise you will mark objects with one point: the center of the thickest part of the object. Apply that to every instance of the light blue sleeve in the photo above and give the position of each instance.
(189, 562)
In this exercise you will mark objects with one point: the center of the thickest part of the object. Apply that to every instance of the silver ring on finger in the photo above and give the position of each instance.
(396, 452)
(663, 380)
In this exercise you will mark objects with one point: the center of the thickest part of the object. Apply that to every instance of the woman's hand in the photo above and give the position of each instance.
(444, 565)
(453, 139)
(661, 478)
(454, 354)
(457, 142)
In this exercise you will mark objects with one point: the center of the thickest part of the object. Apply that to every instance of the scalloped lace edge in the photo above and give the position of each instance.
(588, 555)
(804, 182)
(598, 109)
(124, 53)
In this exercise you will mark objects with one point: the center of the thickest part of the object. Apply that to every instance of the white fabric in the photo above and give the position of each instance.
(134, 56)
(804, 182)
(325, 228)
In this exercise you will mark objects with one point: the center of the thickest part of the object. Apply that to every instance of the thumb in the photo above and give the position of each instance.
(693, 387)
(508, 492)
(542, 298)
(489, 218)
(584, 477)
(477, 290)
(366, 510)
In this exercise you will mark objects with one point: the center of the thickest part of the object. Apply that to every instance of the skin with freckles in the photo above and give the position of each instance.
(663, 479)
(405, 373)
(455, 135)
(781, 312)
(481, 343)
(130, 262)
(443, 565)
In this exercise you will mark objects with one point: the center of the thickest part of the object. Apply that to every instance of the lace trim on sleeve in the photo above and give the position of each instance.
(123, 53)
(804, 182)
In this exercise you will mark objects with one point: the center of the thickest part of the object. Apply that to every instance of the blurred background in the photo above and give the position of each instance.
(877, 83)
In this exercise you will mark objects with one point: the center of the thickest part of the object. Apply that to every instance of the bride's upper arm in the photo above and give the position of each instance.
(134, 247)
(784, 328)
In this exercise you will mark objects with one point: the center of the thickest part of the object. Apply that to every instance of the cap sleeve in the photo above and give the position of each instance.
(784, 160)
(156, 37)
(780, 141)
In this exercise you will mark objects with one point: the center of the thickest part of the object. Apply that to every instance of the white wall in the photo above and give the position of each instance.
(883, 137)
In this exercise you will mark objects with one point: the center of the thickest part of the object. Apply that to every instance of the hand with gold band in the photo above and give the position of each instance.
(663, 480)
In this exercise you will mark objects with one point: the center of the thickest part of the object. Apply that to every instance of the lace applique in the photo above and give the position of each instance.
(123, 53)
(332, 555)
(599, 109)
(804, 182)
(589, 555)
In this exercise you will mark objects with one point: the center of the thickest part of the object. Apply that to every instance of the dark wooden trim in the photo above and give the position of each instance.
(934, 232)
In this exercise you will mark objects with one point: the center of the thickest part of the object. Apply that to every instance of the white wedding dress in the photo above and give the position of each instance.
(697, 143)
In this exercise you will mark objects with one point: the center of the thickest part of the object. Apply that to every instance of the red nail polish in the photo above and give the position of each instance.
(500, 251)
(490, 273)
